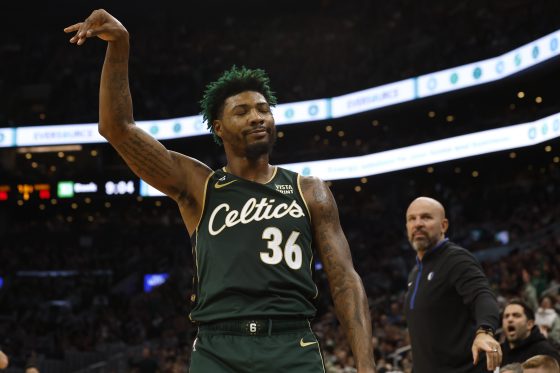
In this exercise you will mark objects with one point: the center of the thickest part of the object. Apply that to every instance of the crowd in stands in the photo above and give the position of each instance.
(76, 285)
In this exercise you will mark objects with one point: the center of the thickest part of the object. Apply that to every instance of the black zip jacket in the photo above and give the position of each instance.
(448, 299)
(534, 344)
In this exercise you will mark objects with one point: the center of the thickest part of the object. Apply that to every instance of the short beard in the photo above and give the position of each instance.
(254, 151)
(422, 246)
(419, 246)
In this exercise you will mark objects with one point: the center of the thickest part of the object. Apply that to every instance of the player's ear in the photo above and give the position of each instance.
(217, 124)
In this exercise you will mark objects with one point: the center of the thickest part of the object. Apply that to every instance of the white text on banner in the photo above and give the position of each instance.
(473, 144)
(56, 135)
(373, 98)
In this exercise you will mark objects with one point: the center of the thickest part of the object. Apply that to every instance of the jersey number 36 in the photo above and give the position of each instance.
(291, 252)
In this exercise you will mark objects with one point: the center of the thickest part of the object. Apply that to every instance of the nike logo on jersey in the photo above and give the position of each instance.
(305, 344)
(218, 185)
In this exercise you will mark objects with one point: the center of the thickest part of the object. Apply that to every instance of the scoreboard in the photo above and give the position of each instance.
(26, 191)
(66, 189)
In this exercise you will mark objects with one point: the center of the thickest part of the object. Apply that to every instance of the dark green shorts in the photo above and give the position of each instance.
(250, 346)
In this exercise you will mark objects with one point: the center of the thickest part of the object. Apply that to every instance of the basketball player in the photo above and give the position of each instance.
(252, 225)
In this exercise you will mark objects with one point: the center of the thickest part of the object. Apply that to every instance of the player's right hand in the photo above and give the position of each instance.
(99, 23)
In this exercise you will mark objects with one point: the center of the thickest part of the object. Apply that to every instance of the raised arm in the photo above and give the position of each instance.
(346, 287)
(180, 177)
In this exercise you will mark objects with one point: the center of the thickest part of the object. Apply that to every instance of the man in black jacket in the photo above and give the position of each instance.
(523, 338)
(450, 310)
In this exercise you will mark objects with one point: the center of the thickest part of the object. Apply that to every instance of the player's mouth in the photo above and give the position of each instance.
(258, 133)
(258, 130)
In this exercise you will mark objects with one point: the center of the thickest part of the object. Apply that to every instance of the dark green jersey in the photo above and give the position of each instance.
(252, 250)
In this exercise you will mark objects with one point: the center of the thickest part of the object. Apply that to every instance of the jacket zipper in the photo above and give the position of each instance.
(418, 275)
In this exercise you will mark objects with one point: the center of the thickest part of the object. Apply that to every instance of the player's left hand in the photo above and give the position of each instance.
(485, 343)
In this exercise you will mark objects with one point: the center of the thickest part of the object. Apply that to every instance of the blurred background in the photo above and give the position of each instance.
(99, 280)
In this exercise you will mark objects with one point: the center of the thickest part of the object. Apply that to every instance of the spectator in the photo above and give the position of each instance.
(523, 338)
(31, 365)
(547, 319)
(541, 364)
(511, 368)
(147, 364)
(3, 360)
(529, 292)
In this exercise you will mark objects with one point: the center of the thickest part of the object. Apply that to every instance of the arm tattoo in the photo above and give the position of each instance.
(143, 157)
(346, 287)
(120, 102)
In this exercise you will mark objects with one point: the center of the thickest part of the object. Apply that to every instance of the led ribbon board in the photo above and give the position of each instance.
(473, 144)
(439, 82)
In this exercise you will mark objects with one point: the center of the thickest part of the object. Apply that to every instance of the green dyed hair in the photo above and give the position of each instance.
(232, 82)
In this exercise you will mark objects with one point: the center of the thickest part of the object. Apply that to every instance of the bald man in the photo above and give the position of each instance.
(450, 310)
(3, 360)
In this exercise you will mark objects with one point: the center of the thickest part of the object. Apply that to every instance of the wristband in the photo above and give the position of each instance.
(486, 330)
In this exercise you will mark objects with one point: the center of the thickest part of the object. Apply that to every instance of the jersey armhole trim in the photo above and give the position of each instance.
(302, 197)
(203, 202)
(195, 249)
